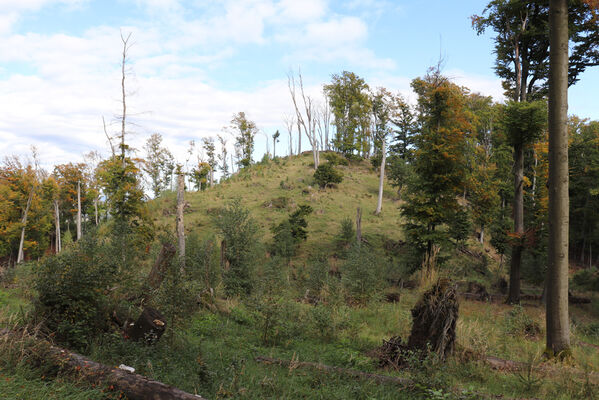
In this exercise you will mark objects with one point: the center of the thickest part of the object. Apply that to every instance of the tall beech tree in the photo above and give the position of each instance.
(350, 103)
(439, 164)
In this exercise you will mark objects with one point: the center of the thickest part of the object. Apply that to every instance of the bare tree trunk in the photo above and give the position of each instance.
(482, 235)
(20, 255)
(558, 324)
(78, 211)
(359, 225)
(124, 95)
(57, 225)
(514, 292)
(180, 227)
(379, 205)
(96, 209)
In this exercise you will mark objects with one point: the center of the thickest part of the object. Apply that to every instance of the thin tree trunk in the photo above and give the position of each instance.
(359, 225)
(20, 255)
(180, 227)
(558, 324)
(57, 225)
(482, 235)
(96, 209)
(379, 206)
(514, 292)
(78, 211)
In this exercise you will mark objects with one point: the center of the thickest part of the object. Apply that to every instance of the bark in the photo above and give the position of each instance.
(167, 252)
(96, 210)
(558, 324)
(514, 291)
(149, 327)
(180, 226)
(379, 205)
(481, 238)
(78, 211)
(57, 225)
(359, 225)
(21, 255)
(134, 386)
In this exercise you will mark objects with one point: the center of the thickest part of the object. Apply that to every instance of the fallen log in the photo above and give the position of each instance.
(133, 386)
(404, 382)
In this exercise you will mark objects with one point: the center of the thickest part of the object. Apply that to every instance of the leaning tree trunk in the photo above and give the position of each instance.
(514, 292)
(78, 211)
(57, 224)
(558, 325)
(180, 227)
(21, 255)
(161, 265)
(379, 205)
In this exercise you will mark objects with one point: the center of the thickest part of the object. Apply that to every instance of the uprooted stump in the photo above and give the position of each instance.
(149, 327)
(434, 319)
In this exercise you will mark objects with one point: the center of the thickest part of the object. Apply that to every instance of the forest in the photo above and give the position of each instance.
(441, 247)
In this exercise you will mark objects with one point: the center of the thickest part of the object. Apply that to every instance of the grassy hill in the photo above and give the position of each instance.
(271, 191)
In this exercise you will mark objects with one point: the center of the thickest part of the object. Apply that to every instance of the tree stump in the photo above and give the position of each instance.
(149, 327)
(434, 320)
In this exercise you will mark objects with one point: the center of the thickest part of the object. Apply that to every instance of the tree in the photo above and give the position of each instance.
(558, 322)
(210, 149)
(350, 103)
(222, 157)
(404, 119)
(200, 175)
(306, 119)
(382, 104)
(180, 223)
(245, 131)
(275, 139)
(289, 121)
(158, 164)
(523, 123)
(439, 164)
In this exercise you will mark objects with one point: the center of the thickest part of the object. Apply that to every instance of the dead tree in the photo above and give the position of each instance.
(379, 205)
(359, 225)
(306, 120)
(78, 211)
(58, 243)
(289, 121)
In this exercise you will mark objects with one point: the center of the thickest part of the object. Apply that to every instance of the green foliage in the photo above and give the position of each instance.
(289, 233)
(586, 279)
(350, 103)
(239, 232)
(158, 164)
(245, 131)
(362, 275)
(335, 158)
(518, 323)
(524, 122)
(346, 235)
(202, 261)
(71, 288)
(461, 225)
(326, 175)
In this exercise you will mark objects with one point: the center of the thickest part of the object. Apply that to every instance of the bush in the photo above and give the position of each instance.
(202, 261)
(335, 158)
(289, 234)
(346, 235)
(361, 274)
(72, 287)
(518, 323)
(239, 232)
(325, 175)
(586, 279)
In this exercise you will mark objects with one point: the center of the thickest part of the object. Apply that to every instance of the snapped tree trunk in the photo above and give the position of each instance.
(514, 291)
(180, 227)
(58, 243)
(558, 324)
(21, 255)
(78, 211)
(167, 252)
(379, 205)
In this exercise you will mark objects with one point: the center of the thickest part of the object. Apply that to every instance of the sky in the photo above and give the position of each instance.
(193, 64)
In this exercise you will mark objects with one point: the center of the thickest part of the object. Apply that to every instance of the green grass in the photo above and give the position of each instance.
(258, 185)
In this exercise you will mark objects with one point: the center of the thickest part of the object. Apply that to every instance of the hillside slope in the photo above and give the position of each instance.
(271, 191)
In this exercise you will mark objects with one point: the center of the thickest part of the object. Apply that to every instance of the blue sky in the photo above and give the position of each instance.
(195, 63)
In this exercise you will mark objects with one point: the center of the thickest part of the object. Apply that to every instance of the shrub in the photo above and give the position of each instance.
(326, 175)
(346, 234)
(518, 323)
(239, 232)
(335, 158)
(72, 288)
(361, 274)
(586, 279)
(202, 261)
(288, 234)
